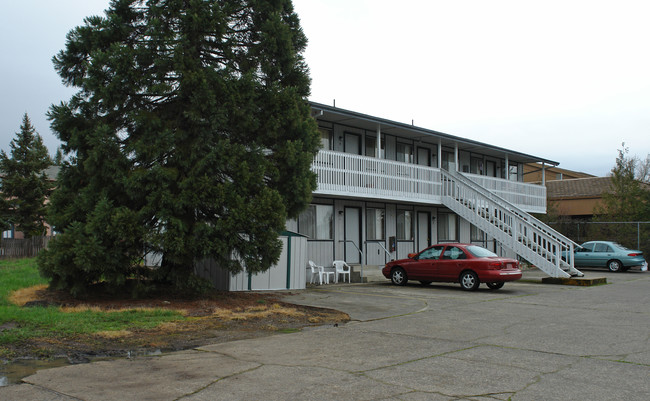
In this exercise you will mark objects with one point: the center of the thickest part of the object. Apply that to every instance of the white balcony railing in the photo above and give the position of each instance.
(368, 177)
(345, 174)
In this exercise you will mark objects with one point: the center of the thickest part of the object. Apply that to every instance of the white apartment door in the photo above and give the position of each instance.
(424, 231)
(352, 234)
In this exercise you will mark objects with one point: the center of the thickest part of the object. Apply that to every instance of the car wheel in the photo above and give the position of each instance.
(425, 282)
(469, 281)
(398, 276)
(614, 265)
(495, 286)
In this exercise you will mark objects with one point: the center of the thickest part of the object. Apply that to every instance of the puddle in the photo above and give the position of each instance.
(14, 372)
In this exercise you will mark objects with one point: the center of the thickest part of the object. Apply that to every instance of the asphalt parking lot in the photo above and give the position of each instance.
(527, 341)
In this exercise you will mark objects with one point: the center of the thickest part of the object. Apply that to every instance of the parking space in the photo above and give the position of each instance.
(527, 341)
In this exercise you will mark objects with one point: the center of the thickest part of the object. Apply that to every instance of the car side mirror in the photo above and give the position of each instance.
(412, 255)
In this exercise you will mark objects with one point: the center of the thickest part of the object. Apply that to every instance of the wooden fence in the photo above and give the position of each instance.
(22, 248)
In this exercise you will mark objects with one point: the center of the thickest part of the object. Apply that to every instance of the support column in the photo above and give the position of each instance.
(379, 141)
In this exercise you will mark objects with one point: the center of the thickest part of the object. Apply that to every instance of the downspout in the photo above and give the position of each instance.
(439, 152)
(456, 156)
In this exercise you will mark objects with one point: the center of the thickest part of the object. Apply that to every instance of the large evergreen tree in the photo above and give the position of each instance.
(25, 185)
(190, 136)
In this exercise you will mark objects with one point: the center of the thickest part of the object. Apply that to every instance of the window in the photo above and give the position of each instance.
(454, 253)
(8, 234)
(431, 253)
(371, 147)
(317, 222)
(325, 138)
(512, 172)
(476, 234)
(447, 159)
(405, 225)
(375, 224)
(481, 252)
(587, 247)
(447, 227)
(602, 248)
(476, 166)
(404, 153)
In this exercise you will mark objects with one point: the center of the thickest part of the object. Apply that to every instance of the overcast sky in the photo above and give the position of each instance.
(565, 80)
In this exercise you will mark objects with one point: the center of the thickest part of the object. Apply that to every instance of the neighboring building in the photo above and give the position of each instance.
(386, 189)
(577, 198)
(537, 172)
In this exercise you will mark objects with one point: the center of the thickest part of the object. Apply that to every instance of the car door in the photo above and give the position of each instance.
(426, 267)
(452, 263)
(602, 254)
(583, 255)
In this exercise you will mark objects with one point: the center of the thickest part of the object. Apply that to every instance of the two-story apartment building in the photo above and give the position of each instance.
(386, 189)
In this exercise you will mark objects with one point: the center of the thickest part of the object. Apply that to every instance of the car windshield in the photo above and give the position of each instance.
(616, 244)
(480, 252)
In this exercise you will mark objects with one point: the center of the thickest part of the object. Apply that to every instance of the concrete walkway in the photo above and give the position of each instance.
(526, 341)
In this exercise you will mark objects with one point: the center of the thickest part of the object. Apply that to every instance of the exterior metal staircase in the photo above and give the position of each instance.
(514, 228)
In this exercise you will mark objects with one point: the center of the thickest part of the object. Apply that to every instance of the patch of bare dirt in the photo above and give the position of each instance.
(219, 317)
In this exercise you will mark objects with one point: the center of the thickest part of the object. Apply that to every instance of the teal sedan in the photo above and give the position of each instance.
(608, 254)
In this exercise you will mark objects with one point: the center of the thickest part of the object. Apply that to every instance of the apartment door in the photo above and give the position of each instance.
(352, 145)
(352, 234)
(491, 168)
(424, 157)
(424, 231)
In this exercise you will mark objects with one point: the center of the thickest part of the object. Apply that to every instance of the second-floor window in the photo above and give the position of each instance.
(325, 138)
(404, 153)
(371, 147)
(447, 159)
(513, 172)
(476, 166)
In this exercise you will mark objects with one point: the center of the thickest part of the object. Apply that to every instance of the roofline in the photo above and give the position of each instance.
(386, 122)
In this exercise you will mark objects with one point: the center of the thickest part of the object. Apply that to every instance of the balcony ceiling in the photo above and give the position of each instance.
(418, 135)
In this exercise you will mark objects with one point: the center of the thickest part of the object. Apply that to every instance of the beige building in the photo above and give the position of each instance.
(534, 172)
(577, 198)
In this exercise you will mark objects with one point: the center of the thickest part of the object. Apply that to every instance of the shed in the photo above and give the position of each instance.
(288, 274)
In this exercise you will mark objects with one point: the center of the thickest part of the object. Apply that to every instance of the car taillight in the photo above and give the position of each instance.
(634, 254)
(495, 265)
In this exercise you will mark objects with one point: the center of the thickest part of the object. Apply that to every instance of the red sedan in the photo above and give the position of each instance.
(469, 265)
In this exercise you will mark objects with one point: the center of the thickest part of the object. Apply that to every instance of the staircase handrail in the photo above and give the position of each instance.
(533, 221)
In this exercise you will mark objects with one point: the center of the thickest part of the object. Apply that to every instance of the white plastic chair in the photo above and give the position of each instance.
(342, 268)
(322, 272)
(315, 273)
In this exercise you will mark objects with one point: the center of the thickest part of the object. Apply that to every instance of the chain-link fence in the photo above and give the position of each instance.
(631, 234)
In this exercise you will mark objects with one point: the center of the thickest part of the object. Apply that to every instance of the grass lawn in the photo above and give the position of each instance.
(24, 324)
